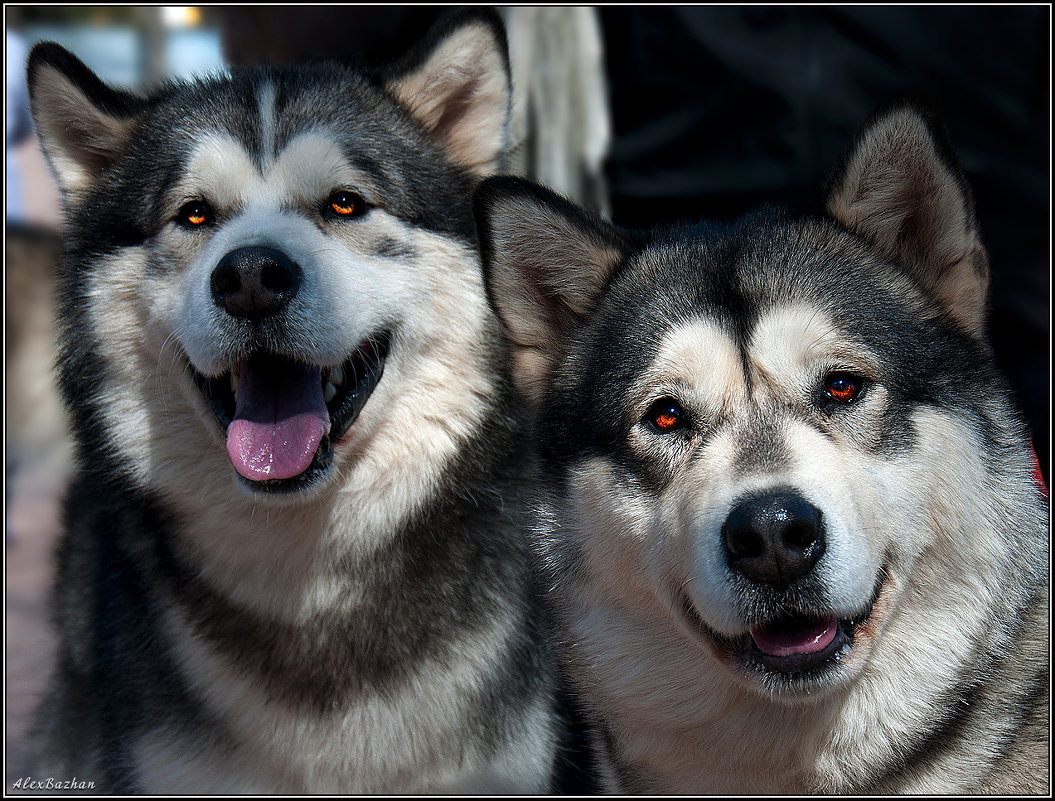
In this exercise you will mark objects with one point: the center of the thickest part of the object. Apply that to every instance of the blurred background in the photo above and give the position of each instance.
(647, 114)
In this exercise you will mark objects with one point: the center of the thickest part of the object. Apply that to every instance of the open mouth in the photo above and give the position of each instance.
(281, 416)
(793, 649)
(799, 644)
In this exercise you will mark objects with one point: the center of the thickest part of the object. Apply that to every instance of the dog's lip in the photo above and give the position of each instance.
(825, 639)
(346, 389)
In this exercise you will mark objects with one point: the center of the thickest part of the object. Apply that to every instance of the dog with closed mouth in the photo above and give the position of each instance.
(787, 503)
(294, 559)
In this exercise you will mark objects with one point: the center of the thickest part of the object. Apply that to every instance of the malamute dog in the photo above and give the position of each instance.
(788, 505)
(294, 558)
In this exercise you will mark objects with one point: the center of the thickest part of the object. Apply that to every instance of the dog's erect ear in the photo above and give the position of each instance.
(457, 84)
(546, 262)
(902, 190)
(83, 124)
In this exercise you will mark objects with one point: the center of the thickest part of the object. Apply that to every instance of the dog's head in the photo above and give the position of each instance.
(771, 442)
(279, 263)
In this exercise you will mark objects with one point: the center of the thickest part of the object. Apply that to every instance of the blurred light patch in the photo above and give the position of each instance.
(193, 51)
(121, 53)
(181, 16)
(114, 53)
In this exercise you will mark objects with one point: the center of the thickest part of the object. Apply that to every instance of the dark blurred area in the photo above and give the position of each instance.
(716, 110)
(362, 36)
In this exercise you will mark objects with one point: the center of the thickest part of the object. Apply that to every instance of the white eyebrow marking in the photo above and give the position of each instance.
(268, 124)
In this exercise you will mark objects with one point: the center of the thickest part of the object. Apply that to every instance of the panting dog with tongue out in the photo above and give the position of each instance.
(294, 560)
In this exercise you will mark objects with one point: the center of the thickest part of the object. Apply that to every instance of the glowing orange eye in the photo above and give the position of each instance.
(346, 204)
(194, 213)
(667, 421)
(666, 415)
(843, 387)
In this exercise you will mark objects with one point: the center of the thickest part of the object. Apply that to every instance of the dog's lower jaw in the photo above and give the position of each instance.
(837, 651)
(344, 390)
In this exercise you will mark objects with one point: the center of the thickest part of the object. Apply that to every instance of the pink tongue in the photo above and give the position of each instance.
(279, 420)
(795, 637)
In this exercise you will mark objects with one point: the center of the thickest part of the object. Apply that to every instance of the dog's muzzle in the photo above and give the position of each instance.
(794, 638)
(281, 412)
(775, 539)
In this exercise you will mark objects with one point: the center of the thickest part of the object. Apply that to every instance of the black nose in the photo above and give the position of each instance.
(774, 537)
(254, 282)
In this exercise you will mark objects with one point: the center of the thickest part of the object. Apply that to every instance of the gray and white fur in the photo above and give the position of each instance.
(788, 505)
(357, 618)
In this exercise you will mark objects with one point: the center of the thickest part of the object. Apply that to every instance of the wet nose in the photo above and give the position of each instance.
(774, 537)
(255, 282)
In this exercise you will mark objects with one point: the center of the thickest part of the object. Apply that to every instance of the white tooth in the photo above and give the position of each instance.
(337, 375)
(329, 392)
(234, 381)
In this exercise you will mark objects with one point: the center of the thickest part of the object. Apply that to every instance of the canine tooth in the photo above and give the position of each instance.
(329, 392)
(337, 375)
(234, 381)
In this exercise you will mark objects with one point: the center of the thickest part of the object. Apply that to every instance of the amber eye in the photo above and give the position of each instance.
(194, 214)
(345, 204)
(666, 415)
(843, 387)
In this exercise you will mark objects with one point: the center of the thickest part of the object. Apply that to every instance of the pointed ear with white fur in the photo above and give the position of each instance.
(901, 190)
(83, 124)
(457, 84)
(546, 263)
